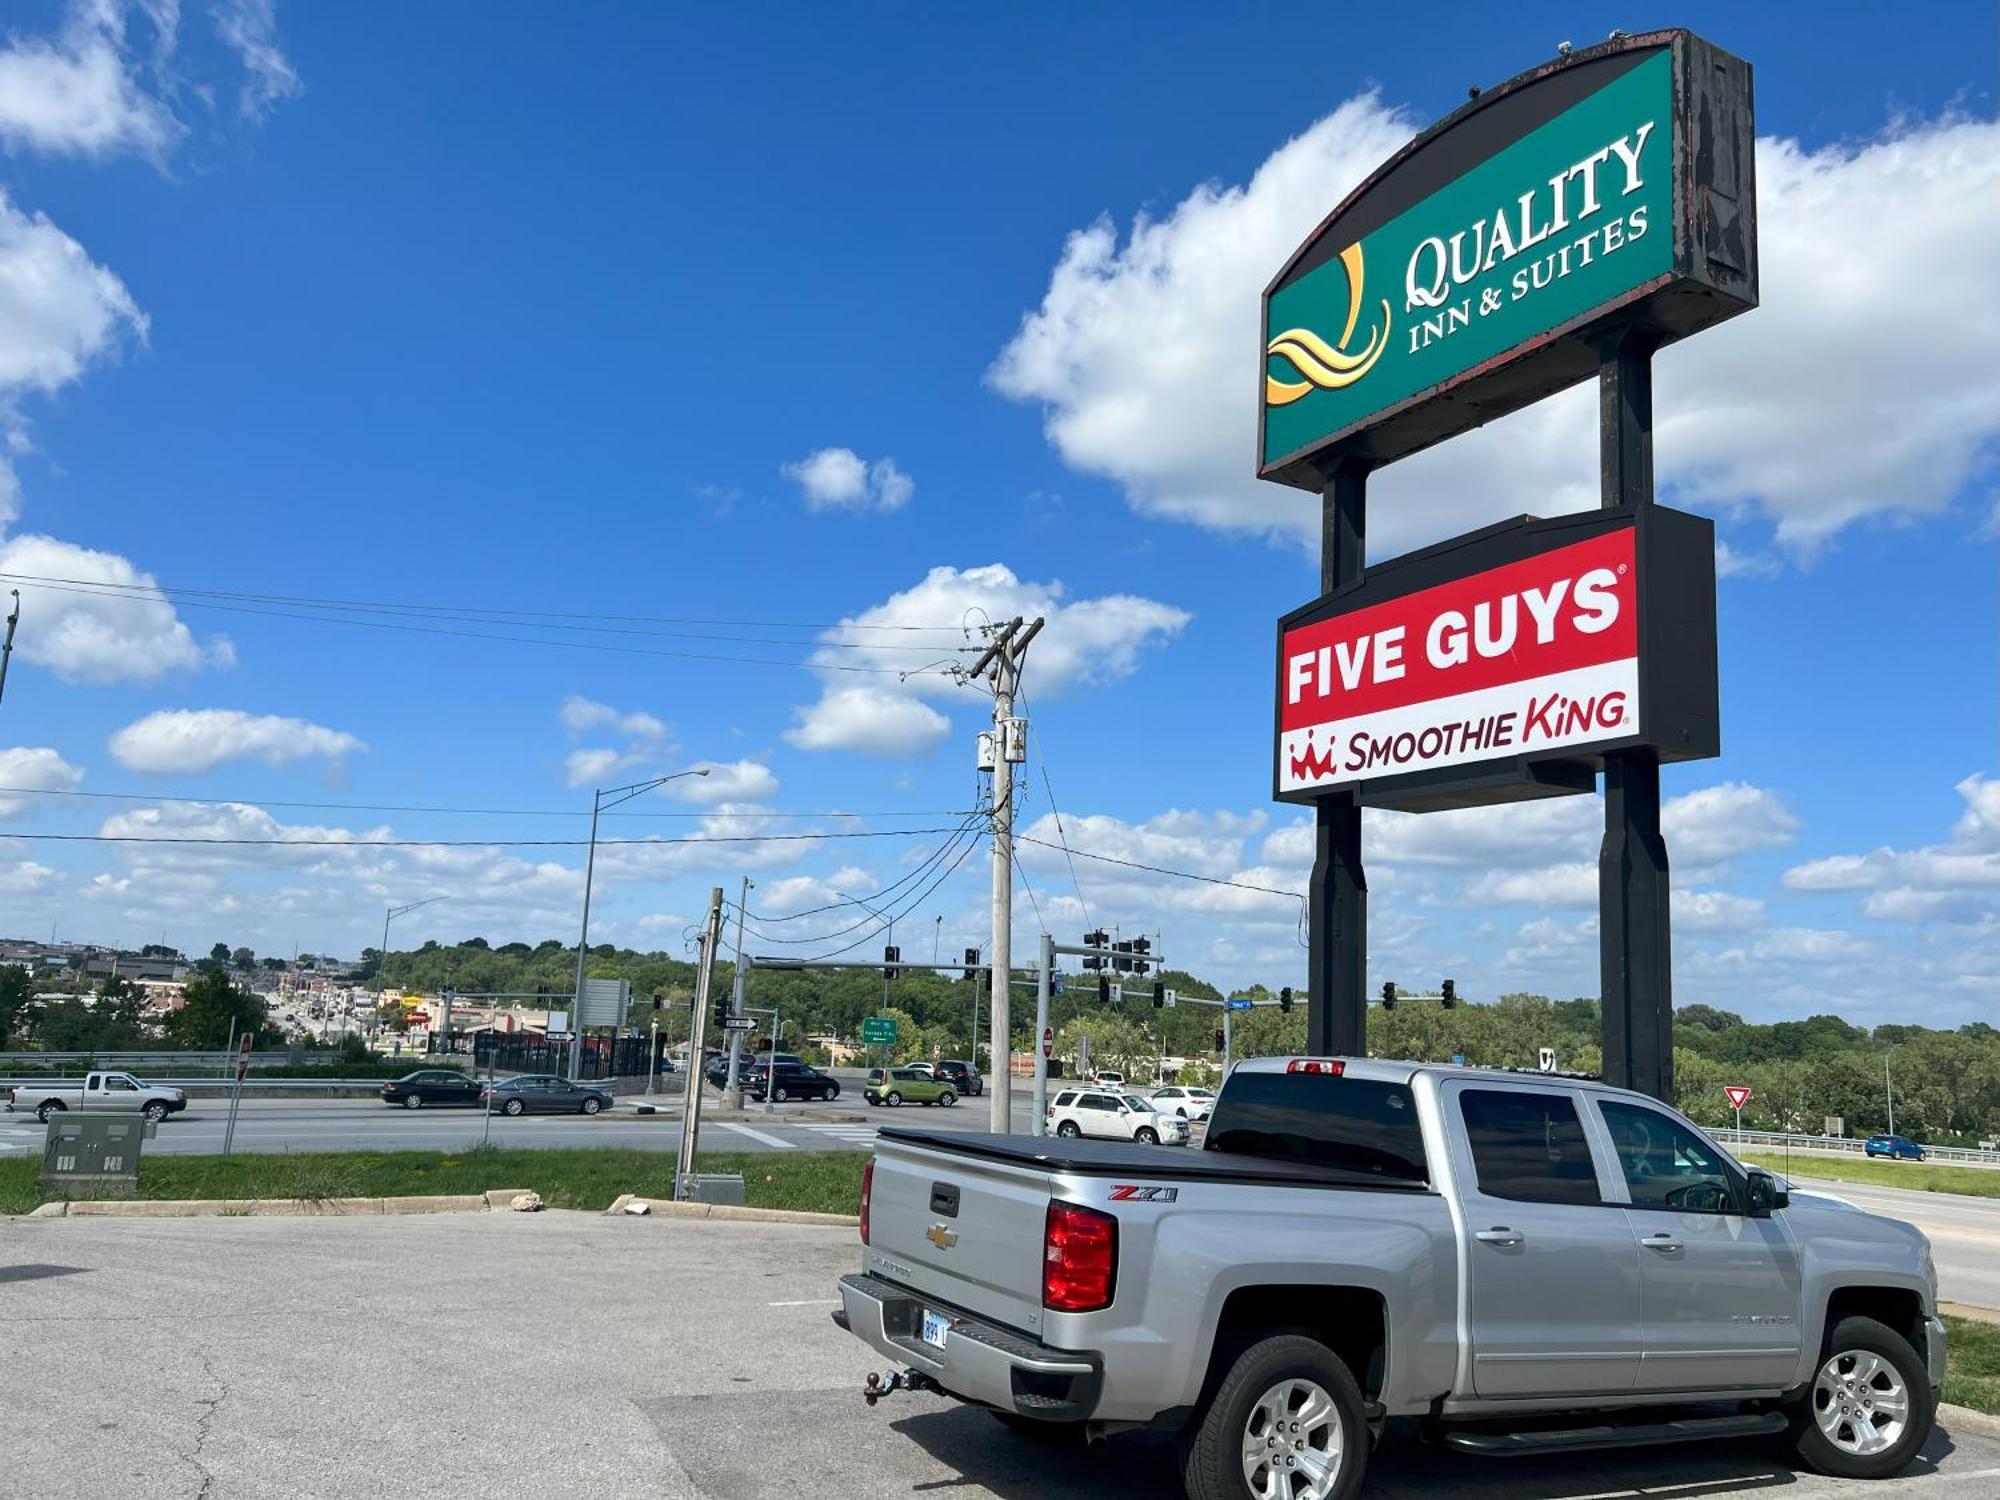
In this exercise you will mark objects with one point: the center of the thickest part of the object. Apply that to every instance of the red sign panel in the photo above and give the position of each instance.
(1048, 1041)
(1738, 1095)
(1531, 656)
(243, 1057)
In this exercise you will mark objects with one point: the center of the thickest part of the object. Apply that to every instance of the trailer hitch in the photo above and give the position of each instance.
(888, 1382)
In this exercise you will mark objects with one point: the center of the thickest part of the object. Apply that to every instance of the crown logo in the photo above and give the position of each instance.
(1309, 765)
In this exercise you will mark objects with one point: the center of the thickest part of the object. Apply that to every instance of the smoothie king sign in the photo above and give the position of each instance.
(1486, 253)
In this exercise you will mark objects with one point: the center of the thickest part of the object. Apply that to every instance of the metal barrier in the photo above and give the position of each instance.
(139, 1062)
(1840, 1145)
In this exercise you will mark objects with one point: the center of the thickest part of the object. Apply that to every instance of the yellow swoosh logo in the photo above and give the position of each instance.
(1327, 366)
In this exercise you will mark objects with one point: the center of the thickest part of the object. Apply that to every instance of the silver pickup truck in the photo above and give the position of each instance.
(99, 1091)
(1526, 1263)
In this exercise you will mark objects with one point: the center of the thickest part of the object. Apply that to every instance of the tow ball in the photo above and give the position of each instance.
(888, 1382)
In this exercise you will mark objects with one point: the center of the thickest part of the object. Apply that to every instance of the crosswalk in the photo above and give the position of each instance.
(859, 1136)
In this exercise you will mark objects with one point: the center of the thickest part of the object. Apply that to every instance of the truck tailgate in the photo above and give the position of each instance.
(966, 1230)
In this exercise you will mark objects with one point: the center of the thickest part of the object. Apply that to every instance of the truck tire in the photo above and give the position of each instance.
(49, 1107)
(1869, 1407)
(155, 1111)
(1287, 1410)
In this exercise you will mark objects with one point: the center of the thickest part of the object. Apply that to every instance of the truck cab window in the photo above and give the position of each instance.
(1528, 1146)
(1665, 1164)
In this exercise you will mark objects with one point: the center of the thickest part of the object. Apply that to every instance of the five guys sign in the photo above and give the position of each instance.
(1503, 664)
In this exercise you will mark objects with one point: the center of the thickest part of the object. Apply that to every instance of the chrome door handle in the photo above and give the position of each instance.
(1662, 1241)
(1498, 1235)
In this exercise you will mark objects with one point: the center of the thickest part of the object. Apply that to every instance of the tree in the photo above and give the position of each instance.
(211, 1009)
(159, 950)
(219, 954)
(16, 991)
(243, 958)
(114, 1024)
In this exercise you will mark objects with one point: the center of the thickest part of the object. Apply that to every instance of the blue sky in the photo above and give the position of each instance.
(825, 322)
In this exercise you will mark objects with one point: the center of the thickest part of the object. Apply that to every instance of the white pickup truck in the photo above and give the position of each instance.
(1523, 1263)
(99, 1091)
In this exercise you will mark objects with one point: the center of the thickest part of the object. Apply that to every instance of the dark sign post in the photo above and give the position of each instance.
(236, 1091)
(1565, 224)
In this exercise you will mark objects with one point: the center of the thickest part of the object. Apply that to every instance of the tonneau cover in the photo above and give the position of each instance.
(1100, 1158)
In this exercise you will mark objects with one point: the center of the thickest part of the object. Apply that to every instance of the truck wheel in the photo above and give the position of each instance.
(1869, 1409)
(1069, 1130)
(155, 1112)
(49, 1107)
(1286, 1420)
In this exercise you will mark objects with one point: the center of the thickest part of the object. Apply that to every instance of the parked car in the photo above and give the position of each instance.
(790, 1081)
(543, 1094)
(894, 1086)
(961, 1075)
(1113, 1116)
(1109, 1078)
(1485, 1249)
(1893, 1147)
(98, 1091)
(1189, 1104)
(431, 1086)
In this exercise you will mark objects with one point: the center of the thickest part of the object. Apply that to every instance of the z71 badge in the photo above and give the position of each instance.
(1127, 1193)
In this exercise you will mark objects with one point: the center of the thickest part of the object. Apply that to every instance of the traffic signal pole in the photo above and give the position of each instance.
(711, 934)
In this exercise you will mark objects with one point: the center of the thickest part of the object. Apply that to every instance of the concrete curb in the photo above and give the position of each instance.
(669, 1208)
(496, 1200)
(1958, 1419)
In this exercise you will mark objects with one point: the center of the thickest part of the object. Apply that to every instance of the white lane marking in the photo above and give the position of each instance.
(808, 1302)
(757, 1135)
(861, 1134)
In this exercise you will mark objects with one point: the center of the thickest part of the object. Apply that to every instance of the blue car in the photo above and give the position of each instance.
(1894, 1147)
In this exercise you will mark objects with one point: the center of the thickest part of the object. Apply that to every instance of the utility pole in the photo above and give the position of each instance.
(733, 1084)
(1888, 1094)
(1010, 744)
(7, 648)
(711, 932)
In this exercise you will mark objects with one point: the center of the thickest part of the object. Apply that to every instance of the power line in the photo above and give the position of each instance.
(914, 902)
(1133, 864)
(485, 812)
(1049, 786)
(657, 843)
(880, 896)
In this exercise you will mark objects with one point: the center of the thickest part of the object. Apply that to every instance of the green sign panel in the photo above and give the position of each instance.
(878, 1031)
(1467, 277)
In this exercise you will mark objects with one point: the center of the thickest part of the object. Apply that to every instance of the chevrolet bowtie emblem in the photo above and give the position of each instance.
(942, 1235)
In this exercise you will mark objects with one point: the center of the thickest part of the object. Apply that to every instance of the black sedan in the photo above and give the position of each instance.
(431, 1086)
(546, 1094)
(794, 1081)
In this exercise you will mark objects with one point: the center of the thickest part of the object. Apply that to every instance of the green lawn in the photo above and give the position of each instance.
(1978, 1182)
(821, 1181)
(1972, 1364)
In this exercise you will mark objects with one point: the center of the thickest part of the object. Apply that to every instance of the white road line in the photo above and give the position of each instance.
(757, 1135)
(809, 1302)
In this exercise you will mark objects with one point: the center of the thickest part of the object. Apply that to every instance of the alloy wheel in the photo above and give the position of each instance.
(1860, 1403)
(1293, 1443)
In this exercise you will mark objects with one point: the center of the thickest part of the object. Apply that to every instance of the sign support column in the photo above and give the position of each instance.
(1337, 905)
(1634, 931)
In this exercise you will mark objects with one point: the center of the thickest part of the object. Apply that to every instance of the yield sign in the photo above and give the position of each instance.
(1048, 1041)
(1738, 1095)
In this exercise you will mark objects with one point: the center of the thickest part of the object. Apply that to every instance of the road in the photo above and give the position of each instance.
(1964, 1233)
(576, 1354)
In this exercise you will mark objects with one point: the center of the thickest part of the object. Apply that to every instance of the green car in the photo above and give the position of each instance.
(907, 1086)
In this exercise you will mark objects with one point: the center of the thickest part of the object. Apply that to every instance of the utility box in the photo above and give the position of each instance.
(713, 1187)
(94, 1151)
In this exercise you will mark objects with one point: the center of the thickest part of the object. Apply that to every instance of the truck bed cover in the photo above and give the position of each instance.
(1100, 1158)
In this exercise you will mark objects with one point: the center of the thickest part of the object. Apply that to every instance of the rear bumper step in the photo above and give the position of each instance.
(1646, 1435)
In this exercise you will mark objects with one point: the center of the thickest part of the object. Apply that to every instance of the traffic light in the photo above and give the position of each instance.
(1159, 994)
(972, 958)
(1449, 993)
(1219, 1040)
(1388, 994)
(890, 956)
(656, 1000)
(1285, 1000)
(1123, 963)
(1142, 946)
(721, 1009)
(1103, 990)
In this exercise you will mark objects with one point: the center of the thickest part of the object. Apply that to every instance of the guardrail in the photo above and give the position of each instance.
(1840, 1145)
(138, 1062)
(250, 1085)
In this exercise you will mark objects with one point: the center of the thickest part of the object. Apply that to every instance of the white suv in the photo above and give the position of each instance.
(1111, 1115)
(1189, 1104)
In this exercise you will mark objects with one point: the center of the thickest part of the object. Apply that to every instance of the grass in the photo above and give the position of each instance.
(1977, 1182)
(1972, 1364)
(820, 1181)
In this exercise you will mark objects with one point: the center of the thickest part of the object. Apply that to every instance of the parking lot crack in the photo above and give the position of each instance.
(209, 1405)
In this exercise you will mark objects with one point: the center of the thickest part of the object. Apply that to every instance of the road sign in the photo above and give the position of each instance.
(1738, 1095)
(1239, 1004)
(1055, 984)
(1048, 1042)
(243, 1057)
(743, 1023)
(604, 1002)
(878, 1031)
(1547, 1059)
(1458, 1059)
(1171, 999)
(1117, 993)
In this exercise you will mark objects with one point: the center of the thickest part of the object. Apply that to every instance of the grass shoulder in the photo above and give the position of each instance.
(1923, 1177)
(821, 1182)
(1972, 1364)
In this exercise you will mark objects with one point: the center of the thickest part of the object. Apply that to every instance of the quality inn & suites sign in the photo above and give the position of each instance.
(1475, 272)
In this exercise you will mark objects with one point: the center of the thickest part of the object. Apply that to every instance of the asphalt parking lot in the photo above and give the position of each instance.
(560, 1354)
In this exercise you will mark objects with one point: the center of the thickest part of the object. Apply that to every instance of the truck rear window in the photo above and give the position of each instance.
(1356, 1124)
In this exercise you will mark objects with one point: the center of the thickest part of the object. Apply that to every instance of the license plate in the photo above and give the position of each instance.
(935, 1325)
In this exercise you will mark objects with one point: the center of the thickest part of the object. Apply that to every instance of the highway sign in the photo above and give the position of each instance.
(878, 1031)
(1738, 1095)
(1239, 1004)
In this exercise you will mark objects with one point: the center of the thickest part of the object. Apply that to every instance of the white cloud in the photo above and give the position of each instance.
(868, 721)
(1715, 911)
(582, 767)
(582, 715)
(1878, 298)
(1571, 884)
(1955, 881)
(840, 479)
(1809, 945)
(250, 28)
(183, 740)
(122, 631)
(37, 769)
(25, 877)
(1716, 824)
(726, 781)
(76, 93)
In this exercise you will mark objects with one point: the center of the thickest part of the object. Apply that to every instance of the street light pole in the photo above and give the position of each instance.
(1888, 1093)
(733, 1082)
(598, 803)
(382, 957)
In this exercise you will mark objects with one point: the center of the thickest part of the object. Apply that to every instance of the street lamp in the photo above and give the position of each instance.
(389, 914)
(599, 801)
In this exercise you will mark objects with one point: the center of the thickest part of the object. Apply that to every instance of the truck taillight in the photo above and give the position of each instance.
(1332, 1067)
(1079, 1258)
(867, 1190)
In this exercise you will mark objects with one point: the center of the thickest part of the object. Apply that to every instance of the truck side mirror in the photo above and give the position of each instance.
(1766, 1197)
